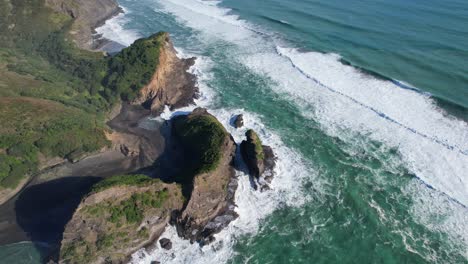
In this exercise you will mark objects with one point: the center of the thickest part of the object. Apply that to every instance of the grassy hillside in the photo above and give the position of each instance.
(32, 126)
(53, 96)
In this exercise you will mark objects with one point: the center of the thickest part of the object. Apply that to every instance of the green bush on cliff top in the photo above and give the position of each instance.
(203, 136)
(123, 180)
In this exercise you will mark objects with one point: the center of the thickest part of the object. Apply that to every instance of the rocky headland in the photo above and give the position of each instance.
(210, 176)
(119, 216)
(171, 85)
(122, 214)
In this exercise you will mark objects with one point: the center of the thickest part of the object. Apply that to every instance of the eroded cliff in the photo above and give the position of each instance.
(170, 84)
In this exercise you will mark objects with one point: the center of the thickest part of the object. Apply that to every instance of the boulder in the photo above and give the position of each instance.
(239, 121)
(165, 243)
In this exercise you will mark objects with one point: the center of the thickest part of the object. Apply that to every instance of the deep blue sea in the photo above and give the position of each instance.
(363, 102)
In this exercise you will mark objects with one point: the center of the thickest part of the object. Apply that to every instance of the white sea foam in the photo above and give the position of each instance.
(438, 213)
(434, 146)
(113, 29)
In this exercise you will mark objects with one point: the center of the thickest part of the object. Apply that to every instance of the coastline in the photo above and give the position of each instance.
(25, 217)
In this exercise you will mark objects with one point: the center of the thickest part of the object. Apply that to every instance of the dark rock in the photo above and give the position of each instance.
(155, 262)
(269, 163)
(165, 243)
(260, 160)
(239, 121)
(252, 155)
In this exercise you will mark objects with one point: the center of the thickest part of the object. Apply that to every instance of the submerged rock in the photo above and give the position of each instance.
(260, 160)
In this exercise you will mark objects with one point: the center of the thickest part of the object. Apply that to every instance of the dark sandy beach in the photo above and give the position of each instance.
(41, 210)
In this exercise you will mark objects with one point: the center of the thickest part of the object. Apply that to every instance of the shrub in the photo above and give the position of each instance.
(120, 180)
(203, 136)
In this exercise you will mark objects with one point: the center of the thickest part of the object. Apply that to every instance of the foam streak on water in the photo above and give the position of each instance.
(114, 30)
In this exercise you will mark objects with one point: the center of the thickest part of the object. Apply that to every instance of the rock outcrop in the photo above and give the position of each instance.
(239, 121)
(87, 16)
(211, 204)
(171, 84)
(260, 159)
(165, 243)
(121, 215)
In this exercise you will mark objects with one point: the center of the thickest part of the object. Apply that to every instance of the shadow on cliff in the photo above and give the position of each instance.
(43, 210)
(173, 163)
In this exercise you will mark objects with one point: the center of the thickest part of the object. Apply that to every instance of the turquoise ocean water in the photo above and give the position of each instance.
(370, 168)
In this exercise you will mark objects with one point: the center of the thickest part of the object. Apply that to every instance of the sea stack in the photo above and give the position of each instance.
(239, 121)
(260, 160)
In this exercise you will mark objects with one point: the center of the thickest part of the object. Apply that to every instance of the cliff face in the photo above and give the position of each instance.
(87, 14)
(171, 84)
(211, 204)
(112, 223)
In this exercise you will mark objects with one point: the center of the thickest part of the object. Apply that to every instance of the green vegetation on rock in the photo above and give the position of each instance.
(133, 67)
(53, 95)
(124, 180)
(258, 144)
(129, 210)
(203, 136)
(33, 126)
